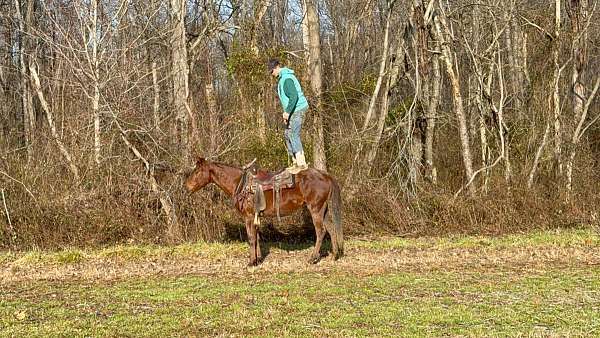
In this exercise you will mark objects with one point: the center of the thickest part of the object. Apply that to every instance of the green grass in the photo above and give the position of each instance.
(300, 304)
(559, 238)
(332, 299)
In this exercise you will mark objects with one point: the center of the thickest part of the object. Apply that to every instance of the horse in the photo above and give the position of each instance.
(314, 188)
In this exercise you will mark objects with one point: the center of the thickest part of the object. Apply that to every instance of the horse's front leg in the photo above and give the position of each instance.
(259, 257)
(251, 241)
(252, 231)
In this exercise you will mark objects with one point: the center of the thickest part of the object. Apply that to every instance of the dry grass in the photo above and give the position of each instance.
(363, 256)
(536, 284)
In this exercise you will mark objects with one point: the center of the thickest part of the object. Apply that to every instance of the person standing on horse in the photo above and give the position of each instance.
(295, 106)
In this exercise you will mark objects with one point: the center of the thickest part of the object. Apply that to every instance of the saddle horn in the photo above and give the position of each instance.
(250, 164)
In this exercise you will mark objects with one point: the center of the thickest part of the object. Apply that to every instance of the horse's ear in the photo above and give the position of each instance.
(200, 161)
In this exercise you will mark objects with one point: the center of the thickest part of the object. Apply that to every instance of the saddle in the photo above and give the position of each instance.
(256, 181)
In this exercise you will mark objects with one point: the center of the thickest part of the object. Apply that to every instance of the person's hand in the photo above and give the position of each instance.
(286, 117)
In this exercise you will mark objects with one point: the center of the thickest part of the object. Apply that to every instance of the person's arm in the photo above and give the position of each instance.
(290, 91)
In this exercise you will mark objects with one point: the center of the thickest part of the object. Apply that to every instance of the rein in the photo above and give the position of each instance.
(240, 186)
(243, 180)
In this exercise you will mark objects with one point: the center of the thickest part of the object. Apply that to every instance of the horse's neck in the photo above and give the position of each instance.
(226, 177)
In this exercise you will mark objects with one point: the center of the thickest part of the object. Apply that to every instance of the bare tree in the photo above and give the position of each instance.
(538, 155)
(173, 226)
(259, 12)
(26, 96)
(432, 90)
(180, 74)
(443, 35)
(156, 90)
(211, 102)
(311, 34)
(382, 66)
(428, 82)
(49, 117)
(578, 133)
(556, 93)
(93, 42)
(580, 21)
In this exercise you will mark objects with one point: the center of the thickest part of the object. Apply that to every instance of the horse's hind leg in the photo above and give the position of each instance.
(329, 227)
(317, 217)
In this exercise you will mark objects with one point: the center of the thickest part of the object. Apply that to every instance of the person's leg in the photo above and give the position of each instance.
(295, 129)
(296, 121)
(288, 142)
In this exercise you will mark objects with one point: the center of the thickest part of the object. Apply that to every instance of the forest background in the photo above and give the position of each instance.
(436, 116)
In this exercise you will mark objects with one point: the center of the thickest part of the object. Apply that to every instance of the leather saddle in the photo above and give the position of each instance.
(257, 181)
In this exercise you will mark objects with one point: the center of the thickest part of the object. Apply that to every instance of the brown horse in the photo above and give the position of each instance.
(313, 188)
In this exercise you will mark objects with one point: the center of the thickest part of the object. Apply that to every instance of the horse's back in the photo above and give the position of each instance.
(314, 173)
(315, 182)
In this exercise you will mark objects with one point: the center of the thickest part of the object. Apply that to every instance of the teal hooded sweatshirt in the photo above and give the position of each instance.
(290, 93)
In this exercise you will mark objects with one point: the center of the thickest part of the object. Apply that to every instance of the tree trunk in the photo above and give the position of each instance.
(556, 94)
(259, 12)
(156, 105)
(258, 110)
(211, 102)
(442, 33)
(93, 33)
(431, 116)
(504, 151)
(382, 67)
(305, 25)
(180, 74)
(579, 17)
(524, 55)
(380, 124)
(63, 150)
(430, 85)
(578, 133)
(538, 155)
(374, 96)
(315, 70)
(26, 96)
(516, 78)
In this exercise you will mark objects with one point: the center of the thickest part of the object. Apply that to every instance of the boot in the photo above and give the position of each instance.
(294, 164)
(300, 163)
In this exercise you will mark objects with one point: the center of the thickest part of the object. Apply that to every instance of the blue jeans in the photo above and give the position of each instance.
(292, 133)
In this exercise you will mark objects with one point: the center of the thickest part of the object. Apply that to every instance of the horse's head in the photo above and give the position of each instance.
(200, 177)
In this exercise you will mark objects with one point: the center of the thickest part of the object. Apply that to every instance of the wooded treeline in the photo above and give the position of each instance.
(436, 116)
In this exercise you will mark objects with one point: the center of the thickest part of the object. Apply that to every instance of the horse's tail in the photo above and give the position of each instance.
(335, 210)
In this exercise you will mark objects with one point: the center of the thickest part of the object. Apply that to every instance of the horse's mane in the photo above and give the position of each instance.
(227, 165)
(243, 179)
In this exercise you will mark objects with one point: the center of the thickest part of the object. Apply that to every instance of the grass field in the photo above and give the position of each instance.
(537, 284)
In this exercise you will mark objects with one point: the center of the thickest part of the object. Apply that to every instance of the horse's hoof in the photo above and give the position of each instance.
(314, 260)
(337, 255)
(252, 264)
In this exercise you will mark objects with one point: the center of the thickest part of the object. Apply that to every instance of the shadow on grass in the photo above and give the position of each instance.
(294, 233)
